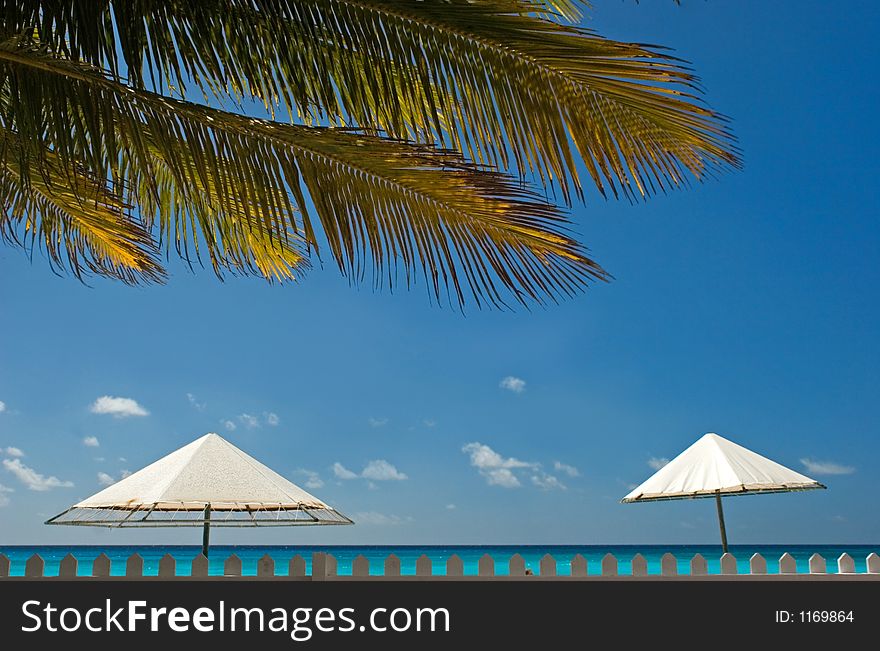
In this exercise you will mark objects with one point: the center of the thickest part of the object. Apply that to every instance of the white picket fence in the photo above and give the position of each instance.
(324, 567)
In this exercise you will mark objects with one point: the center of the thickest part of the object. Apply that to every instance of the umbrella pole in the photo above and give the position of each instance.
(206, 531)
(721, 521)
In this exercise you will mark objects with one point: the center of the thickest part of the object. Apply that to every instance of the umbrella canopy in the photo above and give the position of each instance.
(209, 482)
(713, 467)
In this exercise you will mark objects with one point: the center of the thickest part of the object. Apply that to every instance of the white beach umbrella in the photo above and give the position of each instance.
(209, 482)
(714, 467)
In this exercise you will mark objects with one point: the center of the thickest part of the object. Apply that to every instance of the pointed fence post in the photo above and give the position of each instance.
(134, 566)
(266, 566)
(392, 565)
(199, 566)
(846, 564)
(517, 565)
(360, 566)
(728, 564)
(547, 565)
(4, 565)
(699, 565)
(639, 565)
(817, 564)
(297, 566)
(787, 564)
(872, 563)
(668, 565)
(232, 566)
(486, 566)
(34, 566)
(424, 566)
(332, 565)
(167, 566)
(454, 566)
(319, 566)
(101, 566)
(578, 565)
(609, 565)
(757, 564)
(68, 566)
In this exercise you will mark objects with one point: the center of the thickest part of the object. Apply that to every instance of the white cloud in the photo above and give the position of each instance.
(313, 479)
(249, 421)
(124, 473)
(118, 407)
(272, 418)
(429, 422)
(450, 507)
(194, 402)
(4, 495)
(91, 442)
(377, 422)
(342, 472)
(571, 471)
(514, 384)
(498, 470)
(229, 425)
(657, 462)
(2, 406)
(31, 478)
(826, 467)
(381, 470)
(13, 452)
(547, 482)
(372, 517)
(105, 480)
(376, 470)
(99, 459)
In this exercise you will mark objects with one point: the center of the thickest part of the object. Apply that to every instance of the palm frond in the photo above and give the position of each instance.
(470, 231)
(82, 224)
(515, 89)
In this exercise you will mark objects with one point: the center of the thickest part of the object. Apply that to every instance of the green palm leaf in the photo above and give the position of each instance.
(408, 109)
(471, 232)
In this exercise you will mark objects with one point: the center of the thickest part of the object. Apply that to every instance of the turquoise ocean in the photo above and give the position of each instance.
(470, 554)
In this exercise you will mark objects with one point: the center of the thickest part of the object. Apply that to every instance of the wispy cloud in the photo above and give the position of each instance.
(547, 482)
(229, 425)
(313, 479)
(496, 469)
(249, 421)
(31, 478)
(4, 495)
(272, 419)
(194, 402)
(377, 422)
(91, 442)
(381, 470)
(826, 467)
(375, 518)
(108, 480)
(118, 407)
(571, 471)
(450, 507)
(657, 462)
(12, 451)
(512, 383)
(428, 422)
(2, 406)
(341, 472)
(376, 470)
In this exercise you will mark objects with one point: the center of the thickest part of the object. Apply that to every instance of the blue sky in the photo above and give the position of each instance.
(745, 306)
